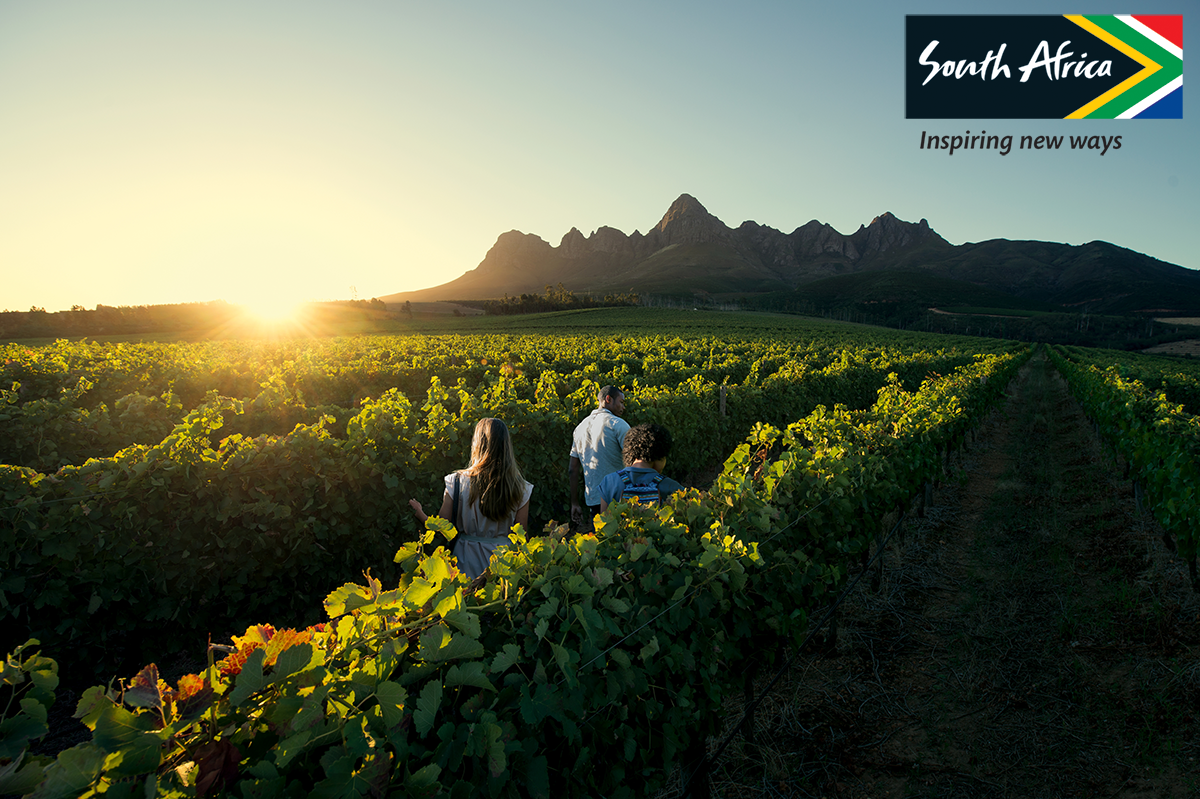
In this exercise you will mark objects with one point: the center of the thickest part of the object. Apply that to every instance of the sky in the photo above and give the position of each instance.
(158, 152)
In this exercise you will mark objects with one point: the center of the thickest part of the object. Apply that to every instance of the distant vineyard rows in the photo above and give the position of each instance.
(1178, 379)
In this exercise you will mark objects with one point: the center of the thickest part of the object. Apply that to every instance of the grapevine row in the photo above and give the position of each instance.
(1156, 437)
(577, 667)
(1178, 379)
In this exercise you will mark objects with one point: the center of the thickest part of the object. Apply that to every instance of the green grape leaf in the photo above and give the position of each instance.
(17, 731)
(497, 762)
(601, 577)
(345, 599)
(508, 656)
(420, 592)
(562, 657)
(450, 604)
(468, 674)
(287, 749)
(466, 621)
(19, 778)
(428, 703)
(423, 779)
(117, 728)
(538, 702)
(438, 645)
(296, 659)
(615, 604)
(72, 773)
(392, 698)
(251, 680)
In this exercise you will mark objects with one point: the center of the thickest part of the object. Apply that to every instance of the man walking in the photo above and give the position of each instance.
(596, 452)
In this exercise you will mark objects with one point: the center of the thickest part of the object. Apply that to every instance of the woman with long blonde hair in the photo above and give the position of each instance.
(492, 496)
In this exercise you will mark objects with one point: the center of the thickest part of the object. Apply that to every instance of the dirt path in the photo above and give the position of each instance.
(1032, 638)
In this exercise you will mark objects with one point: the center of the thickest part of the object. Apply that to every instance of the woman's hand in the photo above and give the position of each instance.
(418, 511)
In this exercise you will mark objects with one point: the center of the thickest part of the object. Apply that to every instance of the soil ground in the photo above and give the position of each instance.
(1189, 346)
(1031, 637)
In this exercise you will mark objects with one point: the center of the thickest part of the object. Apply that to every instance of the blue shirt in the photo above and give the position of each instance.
(612, 487)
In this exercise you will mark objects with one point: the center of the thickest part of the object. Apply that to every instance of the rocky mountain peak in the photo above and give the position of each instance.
(689, 222)
(887, 232)
(514, 245)
(685, 204)
(573, 243)
(610, 240)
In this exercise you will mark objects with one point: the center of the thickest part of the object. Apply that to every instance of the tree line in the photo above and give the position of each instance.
(555, 298)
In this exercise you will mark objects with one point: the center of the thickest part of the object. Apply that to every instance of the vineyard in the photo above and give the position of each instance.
(1145, 411)
(157, 494)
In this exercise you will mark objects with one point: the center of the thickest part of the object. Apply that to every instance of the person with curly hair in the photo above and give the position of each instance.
(645, 454)
(484, 500)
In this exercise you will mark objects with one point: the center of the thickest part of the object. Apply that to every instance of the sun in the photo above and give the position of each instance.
(268, 308)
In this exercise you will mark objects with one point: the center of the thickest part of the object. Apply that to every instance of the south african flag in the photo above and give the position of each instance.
(1155, 42)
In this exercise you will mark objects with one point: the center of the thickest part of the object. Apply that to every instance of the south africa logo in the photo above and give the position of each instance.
(1076, 66)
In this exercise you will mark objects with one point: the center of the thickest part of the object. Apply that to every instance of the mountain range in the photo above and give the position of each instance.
(692, 252)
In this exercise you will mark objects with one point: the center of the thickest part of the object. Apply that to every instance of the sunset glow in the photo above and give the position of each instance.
(164, 153)
(272, 309)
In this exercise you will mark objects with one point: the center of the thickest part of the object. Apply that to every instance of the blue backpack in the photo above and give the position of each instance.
(646, 493)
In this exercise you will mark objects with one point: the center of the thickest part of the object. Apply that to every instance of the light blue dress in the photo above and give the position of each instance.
(478, 536)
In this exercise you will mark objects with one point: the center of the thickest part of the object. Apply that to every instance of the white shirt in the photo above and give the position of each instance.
(597, 444)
